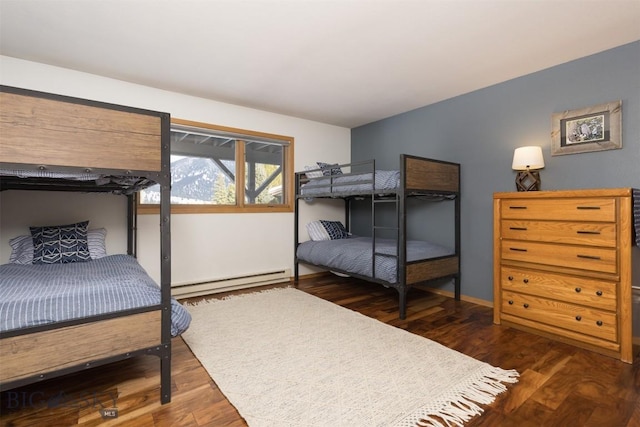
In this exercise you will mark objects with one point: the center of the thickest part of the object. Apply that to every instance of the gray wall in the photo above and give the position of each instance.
(481, 129)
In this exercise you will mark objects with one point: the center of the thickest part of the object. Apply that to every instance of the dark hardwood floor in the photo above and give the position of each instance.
(560, 385)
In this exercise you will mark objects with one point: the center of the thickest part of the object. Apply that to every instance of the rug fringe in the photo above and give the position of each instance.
(462, 404)
(230, 297)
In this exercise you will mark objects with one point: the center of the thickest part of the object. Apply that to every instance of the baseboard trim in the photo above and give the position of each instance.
(311, 276)
(465, 298)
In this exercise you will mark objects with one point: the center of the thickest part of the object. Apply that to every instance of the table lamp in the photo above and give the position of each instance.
(527, 161)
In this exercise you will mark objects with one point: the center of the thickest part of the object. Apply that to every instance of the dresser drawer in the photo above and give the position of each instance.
(571, 209)
(576, 290)
(580, 257)
(574, 318)
(575, 233)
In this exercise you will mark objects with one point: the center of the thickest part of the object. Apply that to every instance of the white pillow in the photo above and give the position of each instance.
(314, 173)
(96, 242)
(317, 231)
(21, 250)
(22, 247)
(326, 230)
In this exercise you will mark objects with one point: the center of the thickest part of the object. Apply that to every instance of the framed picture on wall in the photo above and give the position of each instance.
(595, 128)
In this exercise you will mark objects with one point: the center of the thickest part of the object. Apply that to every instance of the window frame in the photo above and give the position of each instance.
(240, 206)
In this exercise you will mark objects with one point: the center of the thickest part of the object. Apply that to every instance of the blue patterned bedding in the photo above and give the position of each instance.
(359, 183)
(353, 255)
(32, 295)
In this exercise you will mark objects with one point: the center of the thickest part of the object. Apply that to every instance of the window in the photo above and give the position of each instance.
(220, 169)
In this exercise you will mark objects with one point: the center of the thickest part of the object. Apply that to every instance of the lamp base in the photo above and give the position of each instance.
(528, 180)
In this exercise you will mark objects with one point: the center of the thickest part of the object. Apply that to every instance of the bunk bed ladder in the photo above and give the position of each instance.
(375, 229)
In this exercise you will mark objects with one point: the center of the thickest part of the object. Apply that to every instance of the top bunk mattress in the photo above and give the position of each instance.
(380, 181)
(39, 294)
(20, 179)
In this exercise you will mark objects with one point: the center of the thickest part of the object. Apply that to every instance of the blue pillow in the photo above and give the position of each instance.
(329, 169)
(60, 244)
(22, 246)
(335, 229)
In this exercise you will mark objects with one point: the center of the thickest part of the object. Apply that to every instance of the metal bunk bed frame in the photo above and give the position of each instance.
(17, 116)
(399, 198)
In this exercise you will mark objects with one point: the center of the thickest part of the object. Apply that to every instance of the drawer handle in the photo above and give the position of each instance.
(578, 318)
(599, 323)
(518, 228)
(525, 305)
(599, 293)
(517, 207)
(510, 302)
(588, 256)
(578, 290)
(526, 280)
(587, 232)
(518, 249)
(510, 278)
(588, 207)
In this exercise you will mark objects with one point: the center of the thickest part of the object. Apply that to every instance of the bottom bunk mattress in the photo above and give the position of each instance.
(39, 294)
(354, 255)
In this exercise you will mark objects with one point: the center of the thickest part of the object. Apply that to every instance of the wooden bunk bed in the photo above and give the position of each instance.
(398, 262)
(60, 143)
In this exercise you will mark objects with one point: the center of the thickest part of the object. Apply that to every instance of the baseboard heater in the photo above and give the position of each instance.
(187, 290)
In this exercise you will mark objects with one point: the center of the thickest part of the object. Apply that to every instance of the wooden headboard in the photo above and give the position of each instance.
(431, 175)
(44, 129)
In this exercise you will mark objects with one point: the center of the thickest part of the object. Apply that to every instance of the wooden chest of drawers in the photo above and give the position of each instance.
(562, 266)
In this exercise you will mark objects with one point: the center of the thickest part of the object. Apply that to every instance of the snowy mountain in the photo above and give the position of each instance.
(192, 179)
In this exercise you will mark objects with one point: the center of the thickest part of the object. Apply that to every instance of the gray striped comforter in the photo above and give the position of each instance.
(384, 180)
(32, 295)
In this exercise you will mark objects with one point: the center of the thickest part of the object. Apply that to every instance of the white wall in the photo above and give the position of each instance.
(204, 246)
(21, 209)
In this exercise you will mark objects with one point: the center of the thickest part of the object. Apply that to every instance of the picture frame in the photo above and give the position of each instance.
(595, 128)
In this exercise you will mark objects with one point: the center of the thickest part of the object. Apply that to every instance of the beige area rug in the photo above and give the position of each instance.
(286, 358)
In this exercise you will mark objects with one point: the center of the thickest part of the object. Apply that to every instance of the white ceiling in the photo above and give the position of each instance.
(343, 62)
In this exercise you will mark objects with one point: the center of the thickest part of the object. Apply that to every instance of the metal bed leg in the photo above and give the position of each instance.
(165, 374)
(296, 273)
(402, 303)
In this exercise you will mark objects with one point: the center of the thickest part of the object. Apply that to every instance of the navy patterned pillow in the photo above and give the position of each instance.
(60, 244)
(335, 229)
(329, 169)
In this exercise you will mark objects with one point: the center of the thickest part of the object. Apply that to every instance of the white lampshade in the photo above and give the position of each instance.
(527, 158)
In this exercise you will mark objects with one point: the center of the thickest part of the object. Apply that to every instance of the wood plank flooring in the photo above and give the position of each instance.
(560, 385)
